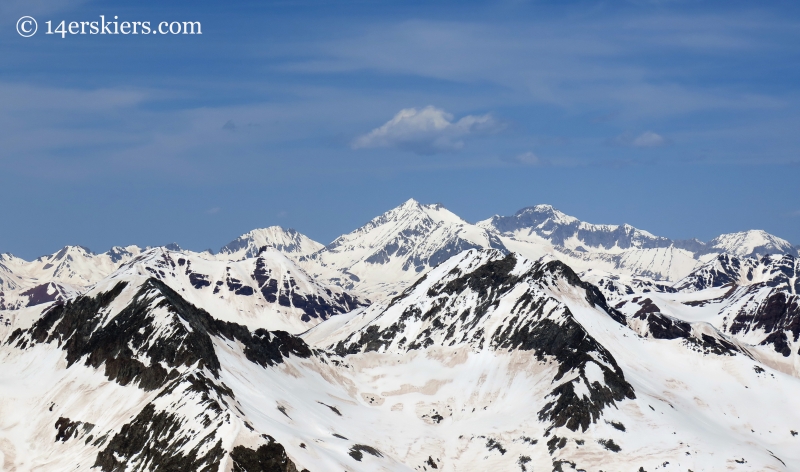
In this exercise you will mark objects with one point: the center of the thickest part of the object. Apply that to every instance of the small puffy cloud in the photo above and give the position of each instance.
(426, 131)
(648, 139)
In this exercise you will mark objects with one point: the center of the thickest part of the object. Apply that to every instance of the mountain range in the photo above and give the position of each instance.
(416, 342)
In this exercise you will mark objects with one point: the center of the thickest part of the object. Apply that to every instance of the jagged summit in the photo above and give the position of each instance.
(76, 266)
(119, 254)
(288, 241)
(407, 213)
(411, 202)
(558, 228)
(269, 291)
(394, 248)
(67, 252)
(434, 310)
(624, 249)
(544, 211)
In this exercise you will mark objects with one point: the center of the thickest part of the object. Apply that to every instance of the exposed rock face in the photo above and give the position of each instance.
(268, 291)
(270, 457)
(760, 305)
(457, 303)
(151, 338)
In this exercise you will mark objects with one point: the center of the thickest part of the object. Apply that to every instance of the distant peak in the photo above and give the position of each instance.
(759, 232)
(270, 230)
(547, 210)
(748, 234)
(73, 248)
(410, 203)
(410, 206)
(540, 209)
(284, 239)
(754, 242)
(276, 228)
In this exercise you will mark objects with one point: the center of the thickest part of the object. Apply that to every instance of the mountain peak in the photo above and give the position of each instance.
(541, 208)
(410, 203)
(288, 241)
(68, 250)
(412, 210)
(393, 249)
(752, 243)
(543, 212)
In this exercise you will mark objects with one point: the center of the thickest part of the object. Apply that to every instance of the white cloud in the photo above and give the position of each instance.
(426, 131)
(649, 139)
(529, 158)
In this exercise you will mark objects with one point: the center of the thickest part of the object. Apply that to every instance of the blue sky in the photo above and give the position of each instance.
(678, 117)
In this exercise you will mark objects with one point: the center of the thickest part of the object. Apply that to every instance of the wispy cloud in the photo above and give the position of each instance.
(647, 139)
(604, 60)
(530, 159)
(427, 131)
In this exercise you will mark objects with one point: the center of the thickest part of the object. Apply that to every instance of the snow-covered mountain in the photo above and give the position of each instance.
(545, 222)
(621, 249)
(753, 243)
(38, 294)
(616, 391)
(287, 241)
(532, 342)
(77, 266)
(130, 376)
(57, 276)
(754, 301)
(393, 249)
(9, 280)
(382, 257)
(265, 292)
(488, 362)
